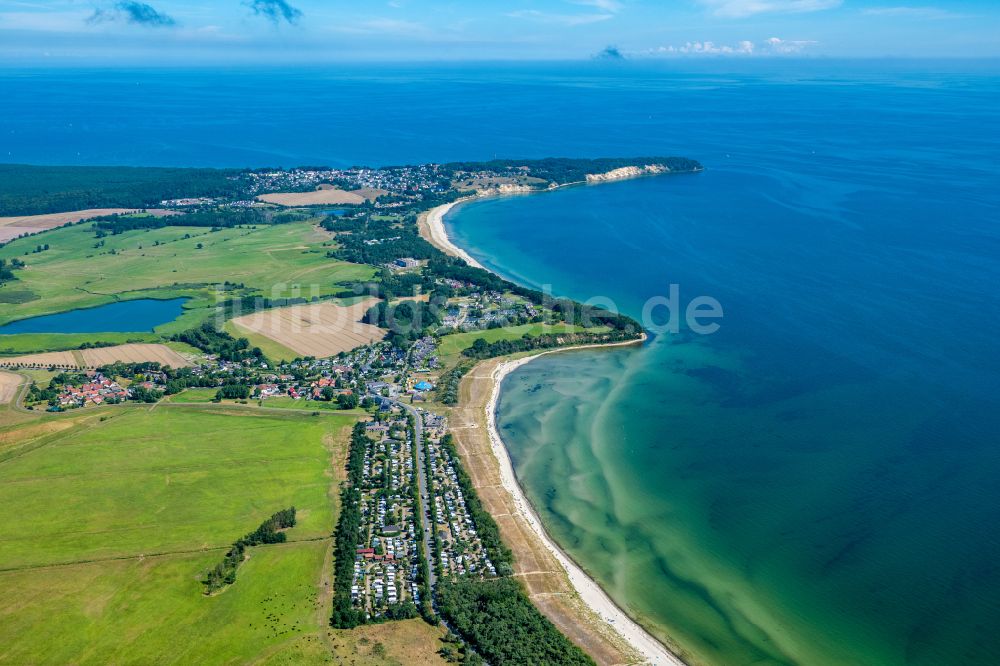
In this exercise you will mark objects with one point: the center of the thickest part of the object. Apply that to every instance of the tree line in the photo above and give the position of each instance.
(216, 218)
(213, 341)
(224, 573)
(482, 349)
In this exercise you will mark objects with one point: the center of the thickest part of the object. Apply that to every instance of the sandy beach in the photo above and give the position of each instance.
(604, 629)
(650, 649)
(431, 226)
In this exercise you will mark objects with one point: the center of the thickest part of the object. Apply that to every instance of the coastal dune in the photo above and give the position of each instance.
(571, 599)
(431, 227)
(556, 584)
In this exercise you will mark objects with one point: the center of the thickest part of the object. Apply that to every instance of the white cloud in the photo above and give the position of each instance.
(382, 26)
(786, 46)
(608, 6)
(559, 19)
(772, 46)
(43, 21)
(708, 48)
(911, 12)
(745, 8)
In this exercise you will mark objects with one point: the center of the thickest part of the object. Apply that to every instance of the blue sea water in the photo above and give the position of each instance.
(138, 315)
(817, 482)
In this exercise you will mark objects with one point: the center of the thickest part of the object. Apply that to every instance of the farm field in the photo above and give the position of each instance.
(112, 523)
(9, 382)
(318, 197)
(92, 358)
(271, 348)
(12, 227)
(279, 260)
(453, 344)
(317, 329)
(323, 195)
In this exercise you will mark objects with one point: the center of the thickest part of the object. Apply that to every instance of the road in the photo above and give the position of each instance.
(425, 499)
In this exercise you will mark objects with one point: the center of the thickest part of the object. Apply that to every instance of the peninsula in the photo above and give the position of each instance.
(324, 315)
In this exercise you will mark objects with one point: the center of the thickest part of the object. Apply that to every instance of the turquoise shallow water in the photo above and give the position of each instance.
(817, 481)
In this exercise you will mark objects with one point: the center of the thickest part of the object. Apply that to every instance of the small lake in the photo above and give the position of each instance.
(122, 317)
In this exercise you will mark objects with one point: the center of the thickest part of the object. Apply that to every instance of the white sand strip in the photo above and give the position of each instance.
(434, 232)
(652, 650)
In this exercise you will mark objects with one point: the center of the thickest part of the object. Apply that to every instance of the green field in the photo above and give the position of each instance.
(27, 343)
(277, 261)
(152, 610)
(453, 344)
(110, 526)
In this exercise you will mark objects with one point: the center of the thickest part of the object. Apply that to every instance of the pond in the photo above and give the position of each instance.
(122, 317)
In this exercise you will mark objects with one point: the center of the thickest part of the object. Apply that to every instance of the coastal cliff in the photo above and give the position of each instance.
(506, 188)
(626, 172)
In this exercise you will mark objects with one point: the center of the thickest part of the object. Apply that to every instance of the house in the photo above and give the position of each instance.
(376, 428)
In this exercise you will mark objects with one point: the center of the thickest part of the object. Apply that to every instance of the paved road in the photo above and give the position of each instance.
(425, 500)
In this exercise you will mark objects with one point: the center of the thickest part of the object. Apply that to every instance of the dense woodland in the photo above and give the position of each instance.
(496, 617)
(365, 238)
(31, 190)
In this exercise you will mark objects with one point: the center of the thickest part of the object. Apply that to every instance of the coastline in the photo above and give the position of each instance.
(600, 624)
(650, 649)
(431, 226)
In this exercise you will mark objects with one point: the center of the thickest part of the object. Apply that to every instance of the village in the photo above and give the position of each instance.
(458, 549)
(386, 562)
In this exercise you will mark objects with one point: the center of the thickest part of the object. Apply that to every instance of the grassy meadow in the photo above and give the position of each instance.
(280, 260)
(113, 519)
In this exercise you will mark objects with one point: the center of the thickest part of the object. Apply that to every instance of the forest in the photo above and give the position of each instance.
(496, 617)
(33, 190)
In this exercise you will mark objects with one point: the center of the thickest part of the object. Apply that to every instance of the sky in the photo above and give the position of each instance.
(98, 32)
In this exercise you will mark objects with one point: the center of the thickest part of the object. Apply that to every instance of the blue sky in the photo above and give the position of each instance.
(281, 31)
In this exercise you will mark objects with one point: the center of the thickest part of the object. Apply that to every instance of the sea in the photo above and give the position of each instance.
(815, 479)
